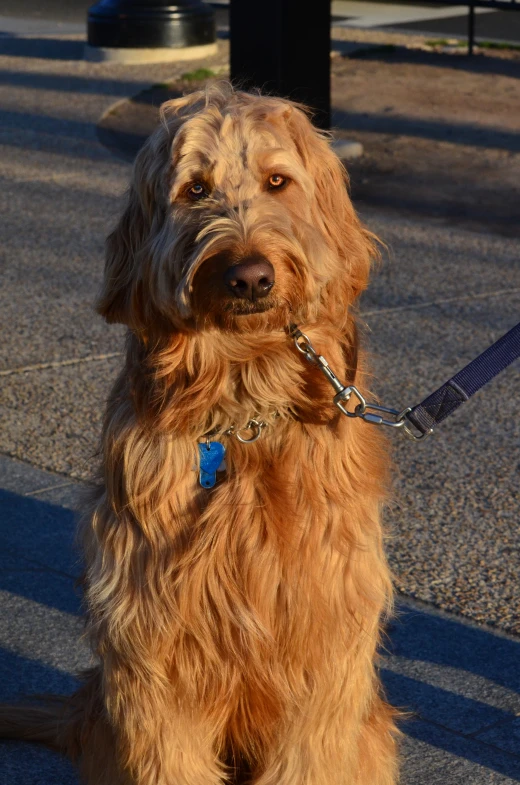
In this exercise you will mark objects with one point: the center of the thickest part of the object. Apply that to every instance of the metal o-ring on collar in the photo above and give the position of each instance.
(253, 425)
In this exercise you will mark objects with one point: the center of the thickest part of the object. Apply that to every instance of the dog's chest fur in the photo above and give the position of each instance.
(255, 575)
(259, 583)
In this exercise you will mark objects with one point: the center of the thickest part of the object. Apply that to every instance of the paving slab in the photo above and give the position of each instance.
(27, 480)
(505, 735)
(434, 756)
(53, 417)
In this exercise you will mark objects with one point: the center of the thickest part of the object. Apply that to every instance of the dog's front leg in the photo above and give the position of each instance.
(156, 741)
(158, 736)
(329, 745)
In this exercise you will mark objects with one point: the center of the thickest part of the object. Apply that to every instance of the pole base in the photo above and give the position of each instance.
(347, 149)
(130, 56)
(150, 24)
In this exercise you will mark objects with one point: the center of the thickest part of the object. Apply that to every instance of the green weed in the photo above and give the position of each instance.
(198, 75)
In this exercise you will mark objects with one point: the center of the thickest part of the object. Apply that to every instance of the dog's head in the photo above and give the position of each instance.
(238, 216)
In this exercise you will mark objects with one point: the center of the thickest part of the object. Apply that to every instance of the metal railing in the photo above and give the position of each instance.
(499, 5)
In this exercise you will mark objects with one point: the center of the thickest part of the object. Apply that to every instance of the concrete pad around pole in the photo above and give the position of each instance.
(130, 56)
(347, 149)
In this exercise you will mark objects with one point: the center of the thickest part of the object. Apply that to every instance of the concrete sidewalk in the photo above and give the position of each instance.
(442, 296)
(461, 681)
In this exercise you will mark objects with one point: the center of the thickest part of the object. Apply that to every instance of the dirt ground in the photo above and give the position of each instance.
(440, 130)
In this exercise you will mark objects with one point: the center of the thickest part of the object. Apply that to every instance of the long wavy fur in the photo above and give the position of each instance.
(236, 627)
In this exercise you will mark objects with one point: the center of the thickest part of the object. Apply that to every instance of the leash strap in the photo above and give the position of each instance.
(437, 406)
(444, 401)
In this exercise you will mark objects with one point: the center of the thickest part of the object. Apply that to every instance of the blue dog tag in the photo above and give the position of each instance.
(211, 456)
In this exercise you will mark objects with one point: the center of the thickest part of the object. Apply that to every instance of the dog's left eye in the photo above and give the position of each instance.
(277, 181)
(196, 191)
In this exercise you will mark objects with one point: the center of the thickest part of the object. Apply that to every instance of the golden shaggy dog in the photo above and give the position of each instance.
(235, 615)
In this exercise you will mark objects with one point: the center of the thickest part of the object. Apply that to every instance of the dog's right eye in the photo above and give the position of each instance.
(196, 191)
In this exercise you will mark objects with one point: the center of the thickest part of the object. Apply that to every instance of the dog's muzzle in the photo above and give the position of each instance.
(251, 279)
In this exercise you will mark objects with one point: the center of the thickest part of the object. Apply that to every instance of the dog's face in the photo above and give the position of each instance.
(238, 217)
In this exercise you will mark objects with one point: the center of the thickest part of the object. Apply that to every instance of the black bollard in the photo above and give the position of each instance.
(150, 24)
(283, 48)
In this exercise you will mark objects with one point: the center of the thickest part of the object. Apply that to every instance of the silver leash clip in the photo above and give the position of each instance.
(363, 410)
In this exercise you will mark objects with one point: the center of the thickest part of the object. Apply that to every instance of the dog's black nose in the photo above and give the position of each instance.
(250, 279)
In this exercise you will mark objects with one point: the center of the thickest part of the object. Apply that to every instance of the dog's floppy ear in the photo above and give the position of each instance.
(334, 213)
(128, 246)
(122, 249)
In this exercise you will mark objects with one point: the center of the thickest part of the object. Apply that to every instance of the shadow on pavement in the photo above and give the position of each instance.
(42, 48)
(32, 764)
(419, 635)
(21, 677)
(487, 756)
(65, 137)
(436, 130)
(67, 83)
(477, 63)
(41, 585)
(36, 538)
(434, 196)
(462, 685)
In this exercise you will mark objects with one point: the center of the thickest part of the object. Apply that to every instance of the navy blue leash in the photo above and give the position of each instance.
(457, 390)
(437, 406)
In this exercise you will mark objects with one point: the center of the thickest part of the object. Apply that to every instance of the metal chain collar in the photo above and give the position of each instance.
(255, 426)
(363, 410)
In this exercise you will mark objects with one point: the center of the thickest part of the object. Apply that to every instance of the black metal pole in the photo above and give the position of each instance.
(283, 48)
(471, 28)
(150, 24)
